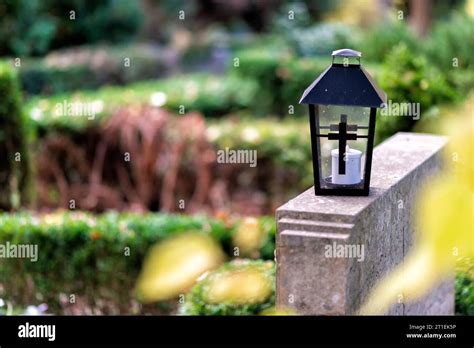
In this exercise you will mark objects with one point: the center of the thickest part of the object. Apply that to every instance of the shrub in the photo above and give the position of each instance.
(89, 67)
(241, 287)
(408, 78)
(464, 286)
(85, 255)
(262, 66)
(452, 39)
(379, 41)
(15, 134)
(281, 78)
(26, 28)
(36, 78)
(450, 48)
(211, 95)
(33, 27)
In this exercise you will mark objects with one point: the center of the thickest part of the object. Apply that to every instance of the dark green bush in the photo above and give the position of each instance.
(36, 78)
(26, 27)
(15, 134)
(89, 67)
(262, 66)
(450, 48)
(408, 78)
(33, 27)
(83, 254)
(379, 41)
(211, 95)
(451, 39)
(464, 288)
(197, 300)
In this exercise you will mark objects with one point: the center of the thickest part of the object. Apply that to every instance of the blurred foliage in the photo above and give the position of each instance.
(431, 120)
(26, 27)
(322, 39)
(262, 66)
(408, 78)
(89, 67)
(450, 48)
(209, 94)
(296, 25)
(172, 266)
(281, 76)
(241, 287)
(33, 27)
(15, 136)
(285, 143)
(451, 39)
(296, 75)
(464, 287)
(86, 254)
(379, 41)
(249, 236)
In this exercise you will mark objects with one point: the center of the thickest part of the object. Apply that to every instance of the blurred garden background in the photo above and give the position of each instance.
(166, 84)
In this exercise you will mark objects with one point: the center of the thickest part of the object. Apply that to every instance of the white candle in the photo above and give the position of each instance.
(353, 164)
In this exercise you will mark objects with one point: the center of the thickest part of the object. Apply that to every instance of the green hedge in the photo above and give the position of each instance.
(262, 66)
(409, 78)
(89, 67)
(15, 135)
(238, 297)
(211, 95)
(83, 254)
(281, 78)
(450, 48)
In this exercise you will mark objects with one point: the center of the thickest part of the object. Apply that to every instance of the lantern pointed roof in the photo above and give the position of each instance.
(345, 84)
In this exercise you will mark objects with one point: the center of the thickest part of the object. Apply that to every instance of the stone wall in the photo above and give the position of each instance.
(311, 282)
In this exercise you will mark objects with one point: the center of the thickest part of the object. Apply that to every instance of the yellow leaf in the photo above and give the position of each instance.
(249, 236)
(247, 285)
(174, 265)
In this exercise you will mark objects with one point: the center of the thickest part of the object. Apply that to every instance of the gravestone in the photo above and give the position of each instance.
(313, 232)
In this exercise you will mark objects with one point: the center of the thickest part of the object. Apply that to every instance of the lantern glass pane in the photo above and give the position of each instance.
(331, 119)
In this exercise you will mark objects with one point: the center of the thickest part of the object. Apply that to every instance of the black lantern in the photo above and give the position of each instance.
(343, 103)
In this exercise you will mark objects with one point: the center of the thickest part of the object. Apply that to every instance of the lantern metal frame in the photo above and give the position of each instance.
(344, 85)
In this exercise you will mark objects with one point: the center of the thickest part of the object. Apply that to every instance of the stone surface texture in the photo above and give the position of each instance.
(312, 283)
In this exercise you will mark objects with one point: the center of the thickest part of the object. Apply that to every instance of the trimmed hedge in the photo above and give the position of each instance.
(89, 67)
(225, 291)
(85, 255)
(15, 134)
(211, 95)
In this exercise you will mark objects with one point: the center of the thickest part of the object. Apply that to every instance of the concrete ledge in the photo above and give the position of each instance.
(312, 283)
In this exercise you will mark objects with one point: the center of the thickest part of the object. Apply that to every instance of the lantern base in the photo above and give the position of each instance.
(328, 188)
